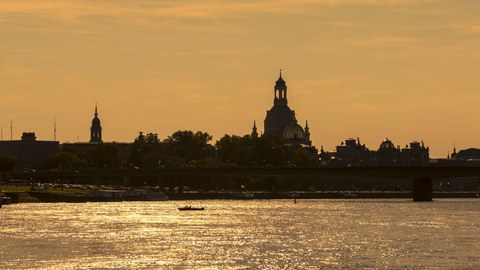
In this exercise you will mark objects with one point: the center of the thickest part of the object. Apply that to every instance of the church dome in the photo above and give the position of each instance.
(387, 144)
(294, 132)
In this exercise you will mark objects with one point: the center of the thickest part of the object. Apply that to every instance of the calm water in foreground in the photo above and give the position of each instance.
(273, 234)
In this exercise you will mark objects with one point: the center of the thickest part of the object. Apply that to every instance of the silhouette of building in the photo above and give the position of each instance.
(467, 154)
(387, 154)
(415, 154)
(254, 130)
(353, 153)
(96, 129)
(82, 148)
(281, 122)
(29, 152)
(350, 153)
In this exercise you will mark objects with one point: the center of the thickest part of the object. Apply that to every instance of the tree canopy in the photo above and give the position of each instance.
(7, 163)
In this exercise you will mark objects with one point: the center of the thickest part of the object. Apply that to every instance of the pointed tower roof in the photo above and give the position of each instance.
(280, 81)
(254, 130)
(96, 120)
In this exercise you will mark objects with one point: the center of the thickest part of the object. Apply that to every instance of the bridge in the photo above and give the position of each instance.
(421, 177)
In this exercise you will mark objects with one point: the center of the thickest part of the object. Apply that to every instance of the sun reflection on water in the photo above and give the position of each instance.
(275, 234)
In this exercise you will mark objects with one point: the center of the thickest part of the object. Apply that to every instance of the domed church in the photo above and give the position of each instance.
(281, 122)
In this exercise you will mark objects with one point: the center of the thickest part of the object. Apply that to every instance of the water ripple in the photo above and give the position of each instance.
(274, 234)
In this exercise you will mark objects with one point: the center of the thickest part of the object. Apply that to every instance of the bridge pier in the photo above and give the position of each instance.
(422, 189)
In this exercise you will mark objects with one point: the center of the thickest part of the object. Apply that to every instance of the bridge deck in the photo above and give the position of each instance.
(380, 172)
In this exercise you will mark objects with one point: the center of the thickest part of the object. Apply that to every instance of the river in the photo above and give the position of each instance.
(257, 234)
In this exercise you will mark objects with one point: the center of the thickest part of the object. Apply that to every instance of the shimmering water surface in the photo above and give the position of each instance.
(272, 234)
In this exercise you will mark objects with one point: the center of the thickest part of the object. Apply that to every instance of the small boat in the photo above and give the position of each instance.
(190, 208)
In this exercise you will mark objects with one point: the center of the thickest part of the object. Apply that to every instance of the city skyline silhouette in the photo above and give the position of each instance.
(398, 69)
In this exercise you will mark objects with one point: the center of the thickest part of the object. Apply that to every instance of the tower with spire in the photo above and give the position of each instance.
(280, 115)
(307, 132)
(96, 129)
(254, 130)
(280, 91)
(280, 122)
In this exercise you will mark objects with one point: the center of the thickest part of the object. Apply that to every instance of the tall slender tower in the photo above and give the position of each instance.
(307, 133)
(254, 130)
(96, 129)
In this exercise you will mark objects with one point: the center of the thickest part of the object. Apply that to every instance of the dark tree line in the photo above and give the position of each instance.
(7, 163)
(183, 149)
(248, 151)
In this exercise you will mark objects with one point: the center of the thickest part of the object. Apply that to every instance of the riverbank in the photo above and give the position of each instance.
(55, 196)
(317, 195)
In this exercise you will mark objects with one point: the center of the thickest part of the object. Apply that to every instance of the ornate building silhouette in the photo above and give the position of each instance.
(353, 153)
(281, 122)
(96, 129)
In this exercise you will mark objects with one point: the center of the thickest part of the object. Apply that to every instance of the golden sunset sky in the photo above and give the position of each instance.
(402, 69)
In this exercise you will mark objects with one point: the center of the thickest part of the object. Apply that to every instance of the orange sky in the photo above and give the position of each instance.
(403, 69)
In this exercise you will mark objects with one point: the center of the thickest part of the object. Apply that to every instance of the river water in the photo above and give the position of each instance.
(266, 234)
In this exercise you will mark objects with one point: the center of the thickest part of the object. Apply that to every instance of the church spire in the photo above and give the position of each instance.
(254, 130)
(454, 154)
(307, 132)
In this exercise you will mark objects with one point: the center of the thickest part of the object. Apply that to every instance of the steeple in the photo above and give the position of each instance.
(254, 130)
(280, 116)
(307, 131)
(454, 154)
(280, 91)
(96, 129)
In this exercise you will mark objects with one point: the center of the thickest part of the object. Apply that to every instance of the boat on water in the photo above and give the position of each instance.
(190, 208)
